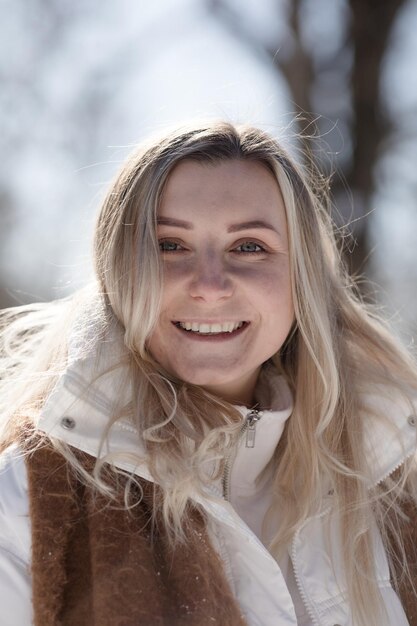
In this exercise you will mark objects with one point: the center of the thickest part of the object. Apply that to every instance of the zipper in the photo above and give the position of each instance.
(248, 428)
(252, 419)
(300, 588)
(391, 471)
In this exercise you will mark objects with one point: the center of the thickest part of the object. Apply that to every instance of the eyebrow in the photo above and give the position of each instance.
(232, 228)
(170, 221)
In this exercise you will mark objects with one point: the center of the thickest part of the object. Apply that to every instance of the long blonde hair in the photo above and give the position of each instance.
(338, 349)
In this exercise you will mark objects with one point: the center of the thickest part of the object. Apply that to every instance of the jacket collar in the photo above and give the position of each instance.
(78, 409)
(390, 431)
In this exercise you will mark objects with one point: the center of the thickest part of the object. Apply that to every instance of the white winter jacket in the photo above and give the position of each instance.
(305, 588)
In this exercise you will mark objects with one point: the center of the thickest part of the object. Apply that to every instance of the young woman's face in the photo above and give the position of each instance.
(223, 238)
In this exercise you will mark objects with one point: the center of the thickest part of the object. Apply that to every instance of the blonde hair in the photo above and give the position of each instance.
(338, 349)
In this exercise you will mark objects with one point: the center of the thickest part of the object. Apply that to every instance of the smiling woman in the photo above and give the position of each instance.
(216, 430)
(211, 279)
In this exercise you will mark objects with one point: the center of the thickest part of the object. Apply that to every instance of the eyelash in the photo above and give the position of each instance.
(258, 245)
(162, 241)
(261, 251)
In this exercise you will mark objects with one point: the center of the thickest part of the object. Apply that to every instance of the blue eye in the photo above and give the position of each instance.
(247, 244)
(170, 246)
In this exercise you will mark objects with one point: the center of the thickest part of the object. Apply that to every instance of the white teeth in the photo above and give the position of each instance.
(225, 327)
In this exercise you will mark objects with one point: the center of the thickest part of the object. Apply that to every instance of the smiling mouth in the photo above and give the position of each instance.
(207, 330)
(220, 334)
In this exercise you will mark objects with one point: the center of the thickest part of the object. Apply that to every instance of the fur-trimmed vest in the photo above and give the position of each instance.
(94, 564)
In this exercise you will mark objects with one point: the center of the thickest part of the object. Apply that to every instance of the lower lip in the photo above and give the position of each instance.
(212, 338)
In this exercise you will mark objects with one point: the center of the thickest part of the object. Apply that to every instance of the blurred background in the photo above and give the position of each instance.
(83, 81)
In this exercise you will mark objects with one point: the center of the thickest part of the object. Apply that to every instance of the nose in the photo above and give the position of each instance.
(211, 280)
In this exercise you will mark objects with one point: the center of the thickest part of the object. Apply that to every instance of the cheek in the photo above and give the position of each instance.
(159, 348)
(171, 289)
(277, 299)
(275, 283)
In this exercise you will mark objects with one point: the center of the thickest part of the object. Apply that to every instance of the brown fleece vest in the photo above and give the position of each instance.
(409, 534)
(94, 564)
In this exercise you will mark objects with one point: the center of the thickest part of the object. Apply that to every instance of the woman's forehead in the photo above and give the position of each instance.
(235, 190)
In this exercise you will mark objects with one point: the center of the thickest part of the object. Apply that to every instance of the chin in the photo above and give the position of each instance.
(201, 379)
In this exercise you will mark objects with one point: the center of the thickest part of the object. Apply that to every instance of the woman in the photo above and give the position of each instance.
(219, 430)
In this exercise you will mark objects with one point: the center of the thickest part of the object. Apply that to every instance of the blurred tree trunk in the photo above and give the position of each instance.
(367, 40)
(371, 25)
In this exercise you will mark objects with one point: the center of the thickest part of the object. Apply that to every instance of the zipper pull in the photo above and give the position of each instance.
(251, 420)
